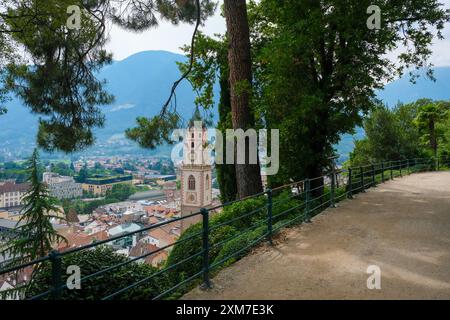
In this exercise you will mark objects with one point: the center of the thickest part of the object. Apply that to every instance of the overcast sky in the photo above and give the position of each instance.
(164, 37)
(170, 38)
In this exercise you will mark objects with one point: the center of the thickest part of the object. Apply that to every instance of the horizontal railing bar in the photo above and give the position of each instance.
(134, 285)
(237, 200)
(36, 297)
(237, 218)
(288, 222)
(178, 285)
(288, 210)
(240, 234)
(288, 185)
(24, 265)
(137, 258)
(154, 226)
(212, 266)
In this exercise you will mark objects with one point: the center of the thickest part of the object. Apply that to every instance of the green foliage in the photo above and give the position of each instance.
(82, 174)
(317, 67)
(120, 191)
(430, 115)
(139, 17)
(445, 143)
(238, 247)
(152, 132)
(226, 173)
(16, 171)
(61, 84)
(62, 168)
(34, 235)
(95, 288)
(394, 134)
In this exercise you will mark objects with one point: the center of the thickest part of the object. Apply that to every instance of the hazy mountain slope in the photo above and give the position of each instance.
(141, 84)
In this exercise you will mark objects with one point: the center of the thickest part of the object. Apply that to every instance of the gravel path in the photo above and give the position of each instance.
(402, 226)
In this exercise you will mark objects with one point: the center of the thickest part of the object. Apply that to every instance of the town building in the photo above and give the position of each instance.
(76, 238)
(11, 194)
(62, 187)
(122, 229)
(7, 229)
(145, 249)
(100, 185)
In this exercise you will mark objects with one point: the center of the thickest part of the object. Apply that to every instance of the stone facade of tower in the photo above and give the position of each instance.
(196, 172)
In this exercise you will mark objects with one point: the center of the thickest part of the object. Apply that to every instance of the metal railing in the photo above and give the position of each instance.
(304, 199)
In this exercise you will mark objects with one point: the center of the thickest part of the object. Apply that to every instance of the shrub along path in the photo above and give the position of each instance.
(402, 226)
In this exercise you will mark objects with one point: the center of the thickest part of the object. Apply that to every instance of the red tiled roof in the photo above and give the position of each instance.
(75, 238)
(142, 248)
(13, 187)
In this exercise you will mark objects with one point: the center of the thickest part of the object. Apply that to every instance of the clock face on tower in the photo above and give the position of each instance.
(191, 198)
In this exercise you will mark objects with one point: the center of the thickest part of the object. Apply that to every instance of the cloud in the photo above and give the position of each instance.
(122, 107)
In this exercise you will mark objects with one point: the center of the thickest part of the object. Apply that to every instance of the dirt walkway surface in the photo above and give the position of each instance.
(402, 226)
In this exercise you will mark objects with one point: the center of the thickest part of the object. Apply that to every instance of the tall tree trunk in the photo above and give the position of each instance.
(239, 60)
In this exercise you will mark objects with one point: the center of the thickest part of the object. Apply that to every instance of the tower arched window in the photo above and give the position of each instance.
(207, 182)
(192, 145)
(191, 182)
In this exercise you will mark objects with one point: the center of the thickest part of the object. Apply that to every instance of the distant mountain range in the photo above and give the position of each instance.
(141, 84)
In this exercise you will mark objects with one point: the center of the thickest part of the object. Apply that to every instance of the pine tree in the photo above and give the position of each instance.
(428, 117)
(34, 236)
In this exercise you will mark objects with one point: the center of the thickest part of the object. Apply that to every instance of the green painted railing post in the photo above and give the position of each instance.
(407, 167)
(400, 165)
(361, 171)
(382, 172)
(269, 216)
(307, 200)
(350, 184)
(333, 188)
(55, 260)
(373, 176)
(392, 171)
(437, 164)
(205, 237)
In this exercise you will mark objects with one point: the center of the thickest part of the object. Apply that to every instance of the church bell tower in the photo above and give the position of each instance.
(196, 170)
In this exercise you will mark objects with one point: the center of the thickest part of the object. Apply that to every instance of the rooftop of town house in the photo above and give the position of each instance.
(14, 187)
(100, 180)
(76, 237)
(124, 228)
(142, 248)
